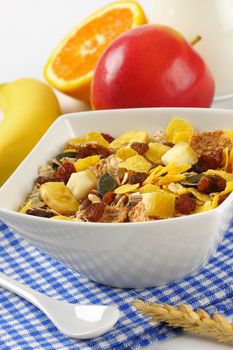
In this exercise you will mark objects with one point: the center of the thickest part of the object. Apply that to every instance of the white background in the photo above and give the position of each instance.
(29, 31)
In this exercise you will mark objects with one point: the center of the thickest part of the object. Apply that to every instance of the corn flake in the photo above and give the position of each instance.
(136, 163)
(127, 188)
(222, 173)
(167, 179)
(85, 163)
(201, 196)
(96, 137)
(155, 152)
(182, 136)
(149, 188)
(125, 153)
(177, 126)
(129, 137)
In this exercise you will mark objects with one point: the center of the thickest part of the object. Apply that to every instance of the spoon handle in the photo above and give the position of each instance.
(20, 289)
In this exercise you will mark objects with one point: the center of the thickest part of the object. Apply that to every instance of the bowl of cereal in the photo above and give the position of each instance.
(131, 198)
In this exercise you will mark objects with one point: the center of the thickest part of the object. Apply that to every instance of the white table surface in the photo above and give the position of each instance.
(29, 30)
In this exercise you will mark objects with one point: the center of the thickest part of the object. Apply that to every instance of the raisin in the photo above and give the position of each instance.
(64, 172)
(211, 183)
(108, 198)
(95, 211)
(107, 137)
(211, 160)
(41, 213)
(92, 149)
(222, 198)
(43, 179)
(137, 178)
(185, 204)
(169, 144)
(140, 147)
(85, 203)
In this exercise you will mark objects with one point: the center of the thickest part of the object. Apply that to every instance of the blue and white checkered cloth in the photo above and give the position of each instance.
(23, 326)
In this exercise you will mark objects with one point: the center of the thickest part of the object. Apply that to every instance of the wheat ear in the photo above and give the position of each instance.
(199, 322)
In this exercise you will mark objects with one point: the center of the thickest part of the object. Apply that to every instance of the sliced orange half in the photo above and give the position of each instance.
(71, 66)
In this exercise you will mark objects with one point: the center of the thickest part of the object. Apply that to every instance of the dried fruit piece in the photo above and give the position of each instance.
(83, 164)
(211, 160)
(107, 137)
(181, 153)
(185, 204)
(43, 213)
(159, 204)
(81, 183)
(126, 188)
(43, 179)
(92, 149)
(94, 212)
(129, 137)
(211, 183)
(137, 178)
(136, 163)
(139, 147)
(106, 183)
(156, 151)
(177, 126)
(64, 172)
(57, 197)
(109, 197)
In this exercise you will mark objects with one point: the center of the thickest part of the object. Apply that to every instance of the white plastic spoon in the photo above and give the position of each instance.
(76, 321)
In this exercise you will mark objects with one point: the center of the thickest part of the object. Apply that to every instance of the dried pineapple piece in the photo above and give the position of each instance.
(125, 153)
(155, 152)
(129, 137)
(127, 188)
(181, 153)
(57, 197)
(159, 204)
(96, 137)
(176, 126)
(81, 183)
(136, 163)
(85, 163)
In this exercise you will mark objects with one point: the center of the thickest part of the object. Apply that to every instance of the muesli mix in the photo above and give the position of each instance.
(135, 177)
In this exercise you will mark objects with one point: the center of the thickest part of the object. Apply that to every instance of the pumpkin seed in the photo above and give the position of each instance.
(106, 183)
(66, 154)
(192, 180)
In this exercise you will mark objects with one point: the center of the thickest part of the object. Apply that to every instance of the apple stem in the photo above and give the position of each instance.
(195, 40)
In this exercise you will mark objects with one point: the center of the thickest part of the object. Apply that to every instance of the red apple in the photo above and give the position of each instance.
(151, 66)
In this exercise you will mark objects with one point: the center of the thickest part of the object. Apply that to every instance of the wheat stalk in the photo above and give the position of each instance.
(199, 322)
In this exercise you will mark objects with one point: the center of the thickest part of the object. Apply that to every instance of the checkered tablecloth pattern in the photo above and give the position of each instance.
(23, 326)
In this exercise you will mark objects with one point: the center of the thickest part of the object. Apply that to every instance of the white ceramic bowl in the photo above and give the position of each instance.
(127, 254)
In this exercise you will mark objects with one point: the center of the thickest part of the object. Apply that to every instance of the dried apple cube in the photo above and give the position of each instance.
(81, 183)
(159, 204)
(182, 153)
